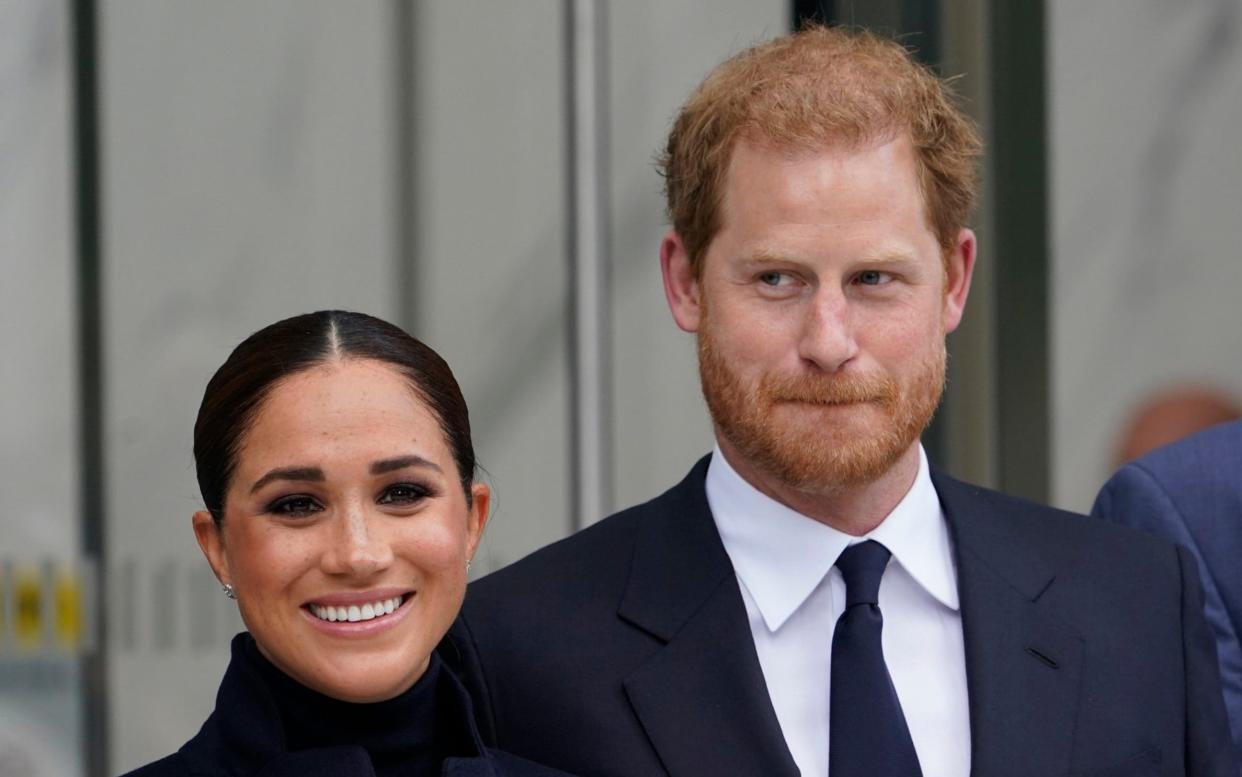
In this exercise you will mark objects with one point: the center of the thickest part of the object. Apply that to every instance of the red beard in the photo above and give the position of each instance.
(820, 433)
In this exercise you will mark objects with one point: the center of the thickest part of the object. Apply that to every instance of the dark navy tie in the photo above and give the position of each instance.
(868, 735)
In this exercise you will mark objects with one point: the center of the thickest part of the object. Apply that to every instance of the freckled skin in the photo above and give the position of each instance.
(825, 275)
(353, 531)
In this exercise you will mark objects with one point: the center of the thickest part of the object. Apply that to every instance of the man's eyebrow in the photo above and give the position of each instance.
(764, 256)
(401, 462)
(883, 256)
(313, 474)
(886, 256)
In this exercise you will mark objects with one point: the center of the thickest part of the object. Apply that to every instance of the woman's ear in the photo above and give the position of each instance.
(211, 542)
(476, 521)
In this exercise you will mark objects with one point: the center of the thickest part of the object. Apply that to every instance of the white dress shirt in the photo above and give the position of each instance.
(794, 595)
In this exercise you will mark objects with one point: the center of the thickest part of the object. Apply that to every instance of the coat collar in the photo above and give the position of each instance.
(781, 557)
(244, 735)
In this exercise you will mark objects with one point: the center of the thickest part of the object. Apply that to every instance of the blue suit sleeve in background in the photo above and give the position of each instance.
(1191, 493)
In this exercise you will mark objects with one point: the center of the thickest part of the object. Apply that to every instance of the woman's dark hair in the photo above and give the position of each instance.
(275, 352)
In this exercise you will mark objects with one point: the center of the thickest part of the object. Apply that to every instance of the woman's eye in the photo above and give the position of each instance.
(873, 277)
(403, 494)
(295, 506)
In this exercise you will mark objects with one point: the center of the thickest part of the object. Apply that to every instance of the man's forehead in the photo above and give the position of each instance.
(750, 156)
(805, 145)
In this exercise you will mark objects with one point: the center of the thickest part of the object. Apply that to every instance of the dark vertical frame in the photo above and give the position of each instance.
(1017, 143)
(89, 233)
(920, 19)
(811, 12)
(916, 23)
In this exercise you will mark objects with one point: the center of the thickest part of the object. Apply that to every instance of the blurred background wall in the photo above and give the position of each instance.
(41, 688)
(247, 166)
(1147, 241)
(175, 175)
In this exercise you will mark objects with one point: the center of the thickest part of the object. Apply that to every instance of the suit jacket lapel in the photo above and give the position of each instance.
(702, 698)
(1022, 665)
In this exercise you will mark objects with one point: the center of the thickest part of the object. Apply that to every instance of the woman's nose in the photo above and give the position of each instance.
(359, 546)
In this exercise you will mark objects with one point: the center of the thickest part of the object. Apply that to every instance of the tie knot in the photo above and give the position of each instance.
(862, 566)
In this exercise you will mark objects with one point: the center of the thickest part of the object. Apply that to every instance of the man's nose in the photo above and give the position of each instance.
(828, 339)
(359, 546)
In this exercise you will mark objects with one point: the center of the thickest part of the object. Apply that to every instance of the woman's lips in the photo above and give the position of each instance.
(359, 598)
(354, 613)
(358, 613)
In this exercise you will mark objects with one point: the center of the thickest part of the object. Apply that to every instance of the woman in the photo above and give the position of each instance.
(334, 458)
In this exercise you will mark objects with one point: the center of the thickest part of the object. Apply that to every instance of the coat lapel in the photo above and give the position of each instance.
(1023, 666)
(701, 699)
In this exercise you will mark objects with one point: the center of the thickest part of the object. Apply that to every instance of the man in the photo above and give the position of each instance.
(1190, 492)
(812, 598)
(1169, 415)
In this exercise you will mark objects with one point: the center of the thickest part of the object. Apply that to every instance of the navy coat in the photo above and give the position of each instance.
(243, 737)
(1190, 492)
(625, 651)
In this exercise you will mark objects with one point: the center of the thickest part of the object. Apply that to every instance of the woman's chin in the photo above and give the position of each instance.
(354, 669)
(371, 682)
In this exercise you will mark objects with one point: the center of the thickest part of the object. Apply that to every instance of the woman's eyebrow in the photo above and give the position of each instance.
(314, 474)
(401, 462)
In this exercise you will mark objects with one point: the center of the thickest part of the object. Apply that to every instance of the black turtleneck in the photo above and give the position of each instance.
(410, 734)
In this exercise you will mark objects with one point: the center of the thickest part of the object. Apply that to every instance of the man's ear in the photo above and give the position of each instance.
(681, 285)
(210, 541)
(959, 267)
(476, 522)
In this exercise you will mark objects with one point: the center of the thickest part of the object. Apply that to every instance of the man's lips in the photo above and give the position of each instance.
(819, 402)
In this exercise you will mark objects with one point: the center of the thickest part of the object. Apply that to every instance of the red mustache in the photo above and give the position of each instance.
(828, 389)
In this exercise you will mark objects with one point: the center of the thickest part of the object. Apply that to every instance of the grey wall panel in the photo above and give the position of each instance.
(492, 280)
(40, 691)
(1145, 168)
(660, 51)
(38, 395)
(246, 163)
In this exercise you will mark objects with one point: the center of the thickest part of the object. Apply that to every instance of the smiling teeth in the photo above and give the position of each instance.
(354, 613)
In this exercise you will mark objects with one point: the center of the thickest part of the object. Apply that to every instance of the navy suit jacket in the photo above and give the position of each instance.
(1191, 493)
(624, 650)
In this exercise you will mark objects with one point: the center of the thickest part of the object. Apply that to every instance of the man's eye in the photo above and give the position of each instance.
(873, 277)
(773, 278)
(403, 493)
(295, 506)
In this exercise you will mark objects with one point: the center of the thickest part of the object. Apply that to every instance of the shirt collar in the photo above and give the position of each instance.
(781, 555)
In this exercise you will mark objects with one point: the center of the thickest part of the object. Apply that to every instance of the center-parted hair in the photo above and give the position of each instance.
(238, 389)
(821, 87)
